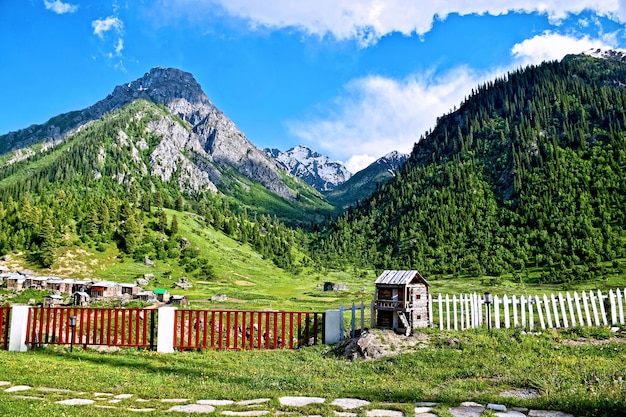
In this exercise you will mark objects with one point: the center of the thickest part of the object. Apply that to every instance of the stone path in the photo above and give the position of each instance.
(340, 407)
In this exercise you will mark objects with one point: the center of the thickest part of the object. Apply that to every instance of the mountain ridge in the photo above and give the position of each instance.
(212, 137)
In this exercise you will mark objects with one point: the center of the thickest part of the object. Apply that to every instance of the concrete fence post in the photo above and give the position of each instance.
(165, 330)
(332, 327)
(19, 325)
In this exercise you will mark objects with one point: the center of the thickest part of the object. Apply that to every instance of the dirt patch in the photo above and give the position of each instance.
(592, 342)
(377, 343)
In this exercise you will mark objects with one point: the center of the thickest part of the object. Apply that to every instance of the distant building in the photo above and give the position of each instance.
(130, 289)
(179, 300)
(401, 300)
(63, 286)
(81, 298)
(15, 281)
(162, 295)
(105, 290)
(52, 300)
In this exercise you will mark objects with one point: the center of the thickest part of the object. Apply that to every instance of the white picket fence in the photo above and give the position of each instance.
(466, 311)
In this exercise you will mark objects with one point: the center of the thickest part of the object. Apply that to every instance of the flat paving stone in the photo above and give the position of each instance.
(523, 393)
(18, 388)
(467, 411)
(4, 383)
(548, 413)
(425, 415)
(496, 407)
(255, 401)
(175, 400)
(76, 401)
(345, 414)
(510, 413)
(350, 403)
(115, 401)
(425, 404)
(123, 396)
(422, 410)
(107, 407)
(192, 408)
(102, 394)
(384, 413)
(300, 401)
(216, 403)
(251, 413)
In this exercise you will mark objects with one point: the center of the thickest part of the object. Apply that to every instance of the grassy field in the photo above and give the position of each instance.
(584, 377)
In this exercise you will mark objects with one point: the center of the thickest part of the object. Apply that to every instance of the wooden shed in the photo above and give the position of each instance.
(401, 300)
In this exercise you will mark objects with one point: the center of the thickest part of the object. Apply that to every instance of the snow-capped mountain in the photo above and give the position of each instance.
(314, 168)
(363, 183)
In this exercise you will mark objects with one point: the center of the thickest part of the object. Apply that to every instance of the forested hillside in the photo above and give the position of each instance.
(101, 187)
(528, 172)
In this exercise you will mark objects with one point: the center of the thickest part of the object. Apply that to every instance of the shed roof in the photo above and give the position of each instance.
(159, 291)
(392, 277)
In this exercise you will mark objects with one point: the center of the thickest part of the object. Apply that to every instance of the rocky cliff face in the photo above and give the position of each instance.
(315, 169)
(209, 139)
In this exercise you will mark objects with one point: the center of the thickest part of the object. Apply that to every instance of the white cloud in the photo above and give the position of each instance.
(58, 7)
(358, 162)
(553, 46)
(119, 46)
(369, 20)
(111, 31)
(377, 115)
(101, 26)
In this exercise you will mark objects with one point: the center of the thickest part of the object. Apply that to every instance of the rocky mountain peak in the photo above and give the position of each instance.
(608, 54)
(316, 169)
(211, 140)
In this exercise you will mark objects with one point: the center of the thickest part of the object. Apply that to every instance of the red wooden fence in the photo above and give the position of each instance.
(237, 329)
(132, 327)
(5, 313)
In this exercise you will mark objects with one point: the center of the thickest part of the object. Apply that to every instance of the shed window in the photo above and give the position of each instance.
(418, 296)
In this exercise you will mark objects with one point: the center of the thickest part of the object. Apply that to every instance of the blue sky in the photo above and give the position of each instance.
(351, 79)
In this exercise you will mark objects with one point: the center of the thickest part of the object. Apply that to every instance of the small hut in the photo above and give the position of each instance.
(81, 298)
(401, 300)
(162, 295)
(179, 300)
(52, 300)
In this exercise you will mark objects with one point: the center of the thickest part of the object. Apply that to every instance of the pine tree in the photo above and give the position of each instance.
(48, 245)
(174, 226)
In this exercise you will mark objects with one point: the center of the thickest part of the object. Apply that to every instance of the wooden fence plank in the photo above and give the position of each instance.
(447, 312)
(507, 319)
(594, 308)
(496, 311)
(613, 308)
(563, 312)
(541, 321)
(531, 315)
(602, 308)
(571, 309)
(586, 306)
(454, 310)
(440, 302)
(555, 309)
(620, 304)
